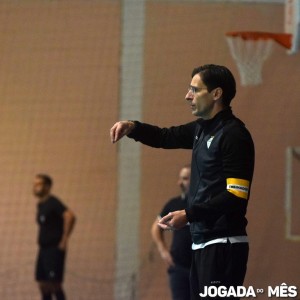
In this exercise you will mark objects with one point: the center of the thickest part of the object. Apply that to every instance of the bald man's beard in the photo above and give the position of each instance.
(183, 189)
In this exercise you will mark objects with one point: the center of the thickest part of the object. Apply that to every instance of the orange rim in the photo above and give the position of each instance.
(283, 39)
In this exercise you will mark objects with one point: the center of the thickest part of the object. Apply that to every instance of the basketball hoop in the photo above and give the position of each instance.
(251, 49)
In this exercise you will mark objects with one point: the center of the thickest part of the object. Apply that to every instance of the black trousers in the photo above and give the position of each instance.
(218, 265)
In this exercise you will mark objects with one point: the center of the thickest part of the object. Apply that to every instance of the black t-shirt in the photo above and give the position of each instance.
(50, 220)
(181, 250)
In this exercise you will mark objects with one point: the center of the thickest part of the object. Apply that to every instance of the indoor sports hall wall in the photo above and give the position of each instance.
(60, 94)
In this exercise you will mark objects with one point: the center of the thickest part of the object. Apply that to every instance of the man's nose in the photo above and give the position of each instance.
(189, 96)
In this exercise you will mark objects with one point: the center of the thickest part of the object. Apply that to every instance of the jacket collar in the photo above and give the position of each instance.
(223, 115)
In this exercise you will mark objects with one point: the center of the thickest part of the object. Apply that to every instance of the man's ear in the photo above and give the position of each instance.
(217, 93)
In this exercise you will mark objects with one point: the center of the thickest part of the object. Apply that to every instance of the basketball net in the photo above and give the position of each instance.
(251, 49)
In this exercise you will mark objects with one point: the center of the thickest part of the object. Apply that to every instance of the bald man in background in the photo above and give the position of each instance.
(178, 257)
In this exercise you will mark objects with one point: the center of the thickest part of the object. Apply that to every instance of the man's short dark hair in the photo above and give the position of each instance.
(46, 179)
(214, 76)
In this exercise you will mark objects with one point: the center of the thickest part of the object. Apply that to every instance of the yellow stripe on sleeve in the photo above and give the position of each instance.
(238, 187)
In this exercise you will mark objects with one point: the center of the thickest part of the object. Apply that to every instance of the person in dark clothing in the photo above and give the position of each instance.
(56, 223)
(179, 257)
(222, 170)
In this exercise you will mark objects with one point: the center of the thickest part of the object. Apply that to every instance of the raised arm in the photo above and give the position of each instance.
(175, 137)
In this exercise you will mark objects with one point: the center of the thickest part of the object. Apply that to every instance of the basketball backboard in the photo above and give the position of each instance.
(292, 23)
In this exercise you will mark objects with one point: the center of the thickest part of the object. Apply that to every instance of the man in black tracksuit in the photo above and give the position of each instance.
(222, 170)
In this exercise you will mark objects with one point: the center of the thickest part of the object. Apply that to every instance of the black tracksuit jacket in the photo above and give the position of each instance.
(221, 175)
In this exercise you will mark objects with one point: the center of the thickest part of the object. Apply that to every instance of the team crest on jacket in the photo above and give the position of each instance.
(209, 141)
